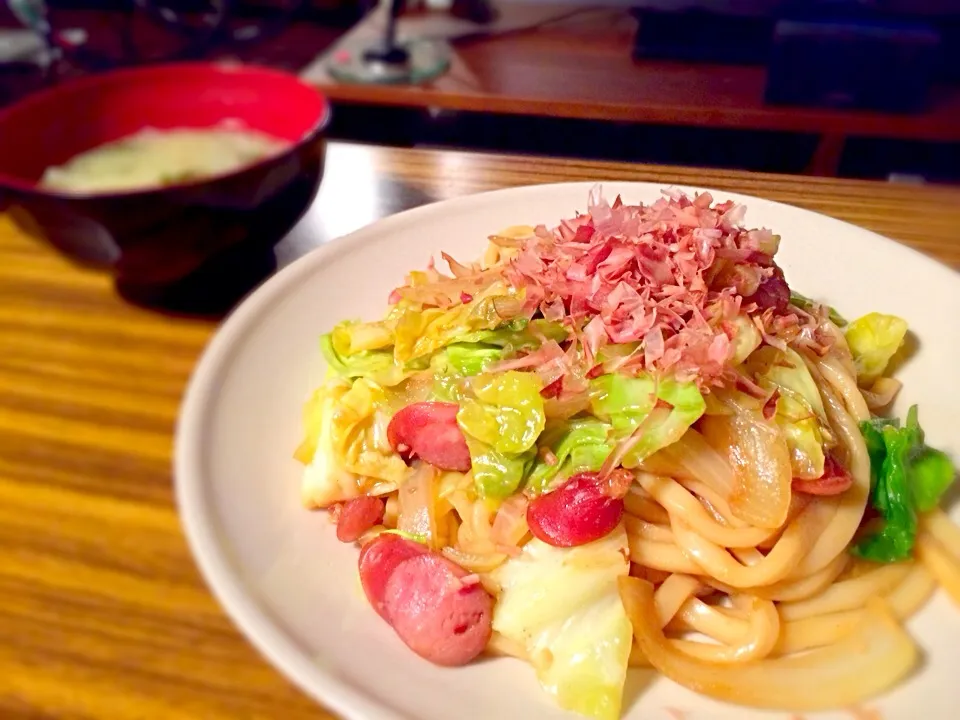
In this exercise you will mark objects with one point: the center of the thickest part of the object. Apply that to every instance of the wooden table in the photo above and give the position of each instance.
(103, 614)
(582, 67)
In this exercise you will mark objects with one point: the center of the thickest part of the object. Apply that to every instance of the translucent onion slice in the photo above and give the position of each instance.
(869, 660)
(941, 564)
(818, 631)
(510, 523)
(939, 524)
(474, 562)
(881, 393)
(910, 595)
(848, 594)
(760, 458)
(417, 512)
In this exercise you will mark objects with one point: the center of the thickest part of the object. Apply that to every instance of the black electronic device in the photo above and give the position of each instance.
(868, 65)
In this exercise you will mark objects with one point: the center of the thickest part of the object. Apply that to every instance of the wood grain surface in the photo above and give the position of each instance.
(103, 614)
(580, 65)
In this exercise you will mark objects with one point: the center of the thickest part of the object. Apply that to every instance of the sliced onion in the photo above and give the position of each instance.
(510, 523)
(506, 242)
(940, 563)
(939, 524)
(818, 631)
(695, 459)
(881, 393)
(566, 406)
(508, 307)
(502, 646)
(847, 594)
(474, 562)
(417, 514)
(458, 269)
(760, 458)
(873, 657)
(911, 594)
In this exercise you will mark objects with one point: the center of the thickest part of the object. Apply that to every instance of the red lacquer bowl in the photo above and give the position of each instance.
(161, 235)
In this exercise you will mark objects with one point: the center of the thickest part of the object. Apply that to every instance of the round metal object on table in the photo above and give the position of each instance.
(418, 62)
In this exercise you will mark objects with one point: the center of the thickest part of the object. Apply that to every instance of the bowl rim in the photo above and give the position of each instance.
(211, 553)
(125, 75)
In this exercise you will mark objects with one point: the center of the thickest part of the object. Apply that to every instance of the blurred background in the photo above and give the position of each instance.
(854, 88)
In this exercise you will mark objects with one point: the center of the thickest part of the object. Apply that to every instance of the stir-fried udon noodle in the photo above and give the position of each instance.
(625, 441)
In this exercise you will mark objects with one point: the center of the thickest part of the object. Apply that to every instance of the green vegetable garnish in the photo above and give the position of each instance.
(907, 477)
(805, 303)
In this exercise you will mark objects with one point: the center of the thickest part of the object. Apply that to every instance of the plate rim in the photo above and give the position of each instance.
(211, 556)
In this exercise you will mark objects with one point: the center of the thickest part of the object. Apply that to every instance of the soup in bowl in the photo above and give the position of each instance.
(156, 172)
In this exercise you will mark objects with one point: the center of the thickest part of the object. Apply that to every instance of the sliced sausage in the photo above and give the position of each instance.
(580, 511)
(357, 516)
(773, 292)
(378, 559)
(429, 431)
(437, 611)
(835, 480)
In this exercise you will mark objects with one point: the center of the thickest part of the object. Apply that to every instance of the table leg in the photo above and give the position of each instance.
(826, 157)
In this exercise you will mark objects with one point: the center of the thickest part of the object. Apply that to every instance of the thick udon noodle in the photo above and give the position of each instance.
(741, 607)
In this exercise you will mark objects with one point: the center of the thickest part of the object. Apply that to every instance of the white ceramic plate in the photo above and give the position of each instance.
(293, 589)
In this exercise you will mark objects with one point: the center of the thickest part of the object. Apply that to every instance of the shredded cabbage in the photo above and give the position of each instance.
(874, 339)
(350, 337)
(502, 421)
(622, 400)
(520, 334)
(326, 479)
(800, 412)
(497, 474)
(377, 365)
(746, 339)
(578, 445)
(668, 425)
(346, 442)
(472, 358)
(562, 605)
(418, 332)
(506, 411)
(628, 401)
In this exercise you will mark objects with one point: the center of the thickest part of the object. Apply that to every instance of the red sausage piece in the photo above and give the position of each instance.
(378, 559)
(835, 480)
(357, 516)
(438, 616)
(773, 292)
(429, 431)
(578, 512)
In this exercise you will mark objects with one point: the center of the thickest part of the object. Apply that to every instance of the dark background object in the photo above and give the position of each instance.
(130, 32)
(572, 89)
(702, 36)
(742, 31)
(869, 65)
(155, 237)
